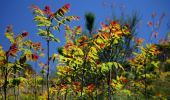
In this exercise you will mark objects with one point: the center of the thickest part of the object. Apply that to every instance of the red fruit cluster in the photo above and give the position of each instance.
(13, 50)
(9, 28)
(24, 34)
(35, 57)
(67, 6)
(34, 7)
(76, 86)
(68, 45)
(90, 87)
(102, 45)
(98, 62)
(47, 10)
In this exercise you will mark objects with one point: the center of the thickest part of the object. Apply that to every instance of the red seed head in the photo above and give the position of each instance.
(102, 45)
(34, 7)
(78, 18)
(47, 10)
(150, 23)
(24, 33)
(78, 27)
(9, 28)
(67, 6)
(98, 62)
(35, 56)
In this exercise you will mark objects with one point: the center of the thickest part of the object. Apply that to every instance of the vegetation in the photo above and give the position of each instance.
(107, 64)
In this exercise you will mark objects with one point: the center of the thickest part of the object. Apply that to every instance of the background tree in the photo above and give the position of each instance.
(90, 19)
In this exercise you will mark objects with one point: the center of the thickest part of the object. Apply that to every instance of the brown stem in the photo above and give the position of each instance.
(6, 78)
(48, 68)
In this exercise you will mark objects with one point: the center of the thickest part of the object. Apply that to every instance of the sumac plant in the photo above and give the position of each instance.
(48, 22)
(90, 67)
(13, 61)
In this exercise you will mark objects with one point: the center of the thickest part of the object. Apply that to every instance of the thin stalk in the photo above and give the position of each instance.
(14, 85)
(96, 81)
(43, 83)
(35, 89)
(6, 79)
(48, 62)
(35, 92)
(145, 82)
(83, 71)
(109, 86)
(18, 93)
(82, 78)
(110, 73)
(48, 68)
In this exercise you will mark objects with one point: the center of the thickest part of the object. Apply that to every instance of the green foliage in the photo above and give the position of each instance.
(99, 66)
(90, 18)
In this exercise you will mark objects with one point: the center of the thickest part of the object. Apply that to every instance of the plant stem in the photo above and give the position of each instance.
(48, 67)
(15, 85)
(109, 87)
(145, 83)
(6, 79)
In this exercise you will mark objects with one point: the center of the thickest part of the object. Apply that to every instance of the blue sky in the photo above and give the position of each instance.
(18, 14)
